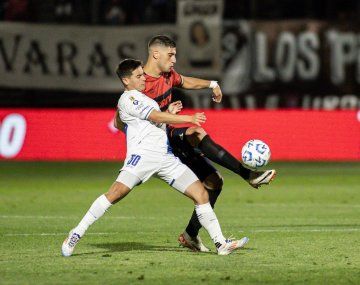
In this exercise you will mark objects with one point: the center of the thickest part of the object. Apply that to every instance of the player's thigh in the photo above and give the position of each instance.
(176, 135)
(176, 174)
(142, 164)
(202, 167)
(204, 170)
(122, 186)
(190, 156)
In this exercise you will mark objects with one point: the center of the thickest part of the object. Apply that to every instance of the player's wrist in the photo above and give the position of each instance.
(189, 119)
(213, 84)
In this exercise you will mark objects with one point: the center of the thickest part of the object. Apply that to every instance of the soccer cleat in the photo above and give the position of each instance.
(195, 244)
(230, 245)
(258, 178)
(69, 243)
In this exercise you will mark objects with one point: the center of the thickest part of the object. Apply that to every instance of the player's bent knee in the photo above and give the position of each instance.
(194, 135)
(214, 181)
(197, 193)
(203, 197)
(194, 130)
(200, 132)
(122, 186)
(116, 192)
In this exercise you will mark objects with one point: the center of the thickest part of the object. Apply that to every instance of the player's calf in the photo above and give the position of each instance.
(214, 181)
(213, 184)
(207, 217)
(96, 211)
(220, 155)
(190, 237)
(116, 192)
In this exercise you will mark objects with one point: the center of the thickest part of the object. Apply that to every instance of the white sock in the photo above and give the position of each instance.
(209, 221)
(97, 209)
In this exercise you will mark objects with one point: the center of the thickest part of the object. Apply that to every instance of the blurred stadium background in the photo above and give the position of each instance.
(290, 74)
(296, 61)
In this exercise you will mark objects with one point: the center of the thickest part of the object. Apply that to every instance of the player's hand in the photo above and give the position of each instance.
(198, 118)
(175, 107)
(217, 94)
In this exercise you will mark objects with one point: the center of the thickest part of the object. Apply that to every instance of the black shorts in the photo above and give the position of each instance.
(189, 155)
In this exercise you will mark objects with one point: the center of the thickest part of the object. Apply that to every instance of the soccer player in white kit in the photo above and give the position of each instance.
(149, 153)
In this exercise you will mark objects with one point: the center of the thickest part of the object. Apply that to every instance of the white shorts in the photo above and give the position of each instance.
(168, 167)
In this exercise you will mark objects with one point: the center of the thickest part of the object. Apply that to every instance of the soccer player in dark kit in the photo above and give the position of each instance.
(192, 145)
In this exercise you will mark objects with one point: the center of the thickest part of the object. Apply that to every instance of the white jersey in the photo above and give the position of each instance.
(148, 150)
(141, 134)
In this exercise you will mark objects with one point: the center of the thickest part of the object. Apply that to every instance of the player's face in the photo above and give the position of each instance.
(167, 58)
(137, 79)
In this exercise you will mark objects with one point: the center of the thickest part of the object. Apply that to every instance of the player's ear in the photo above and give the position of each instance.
(125, 80)
(156, 54)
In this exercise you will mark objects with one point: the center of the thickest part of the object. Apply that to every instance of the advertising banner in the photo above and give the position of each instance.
(199, 26)
(291, 64)
(82, 58)
(260, 64)
(78, 134)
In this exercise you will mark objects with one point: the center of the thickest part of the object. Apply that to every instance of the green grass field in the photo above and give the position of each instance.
(303, 229)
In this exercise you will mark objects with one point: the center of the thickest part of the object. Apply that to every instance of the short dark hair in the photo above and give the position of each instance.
(162, 40)
(126, 67)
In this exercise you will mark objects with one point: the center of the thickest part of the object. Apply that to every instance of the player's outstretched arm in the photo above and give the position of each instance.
(197, 83)
(167, 118)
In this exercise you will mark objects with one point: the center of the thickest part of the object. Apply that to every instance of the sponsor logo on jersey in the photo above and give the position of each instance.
(132, 99)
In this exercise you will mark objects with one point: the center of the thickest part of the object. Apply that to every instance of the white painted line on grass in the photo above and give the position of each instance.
(302, 230)
(73, 217)
(56, 234)
(248, 231)
(300, 205)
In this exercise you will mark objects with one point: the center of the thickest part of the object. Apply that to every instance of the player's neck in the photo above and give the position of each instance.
(129, 88)
(152, 70)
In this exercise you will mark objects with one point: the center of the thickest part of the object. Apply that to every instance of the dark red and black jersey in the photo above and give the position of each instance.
(160, 88)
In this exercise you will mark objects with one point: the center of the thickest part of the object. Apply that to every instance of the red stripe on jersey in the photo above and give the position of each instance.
(160, 88)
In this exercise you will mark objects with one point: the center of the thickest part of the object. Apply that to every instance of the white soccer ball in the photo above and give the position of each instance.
(255, 154)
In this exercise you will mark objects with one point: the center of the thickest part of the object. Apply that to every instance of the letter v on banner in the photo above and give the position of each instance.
(5, 57)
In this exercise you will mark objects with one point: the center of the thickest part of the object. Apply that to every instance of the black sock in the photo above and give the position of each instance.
(194, 225)
(221, 156)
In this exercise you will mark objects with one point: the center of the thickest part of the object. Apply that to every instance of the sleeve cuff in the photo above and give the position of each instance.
(213, 84)
(148, 113)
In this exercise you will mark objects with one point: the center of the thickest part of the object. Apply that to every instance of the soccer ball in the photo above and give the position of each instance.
(255, 154)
